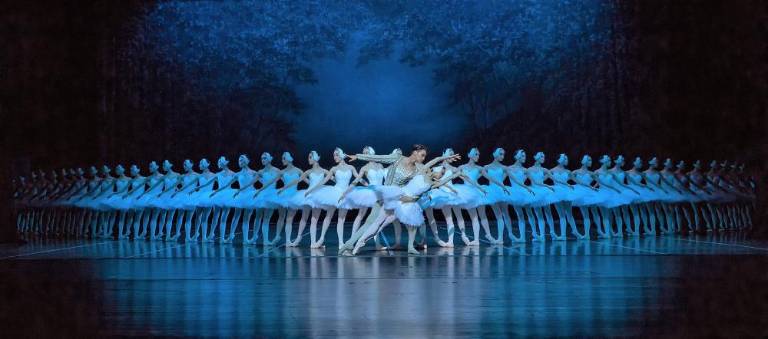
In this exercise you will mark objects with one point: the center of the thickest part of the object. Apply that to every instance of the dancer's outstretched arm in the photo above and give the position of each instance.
(380, 158)
(449, 159)
(328, 175)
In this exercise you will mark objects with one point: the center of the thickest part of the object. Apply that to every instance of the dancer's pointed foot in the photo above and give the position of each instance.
(441, 243)
(358, 246)
(474, 243)
(276, 240)
(412, 250)
(465, 239)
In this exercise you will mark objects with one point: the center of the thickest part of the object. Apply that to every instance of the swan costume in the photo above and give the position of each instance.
(543, 195)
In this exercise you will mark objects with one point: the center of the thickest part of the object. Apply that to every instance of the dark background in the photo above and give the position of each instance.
(102, 82)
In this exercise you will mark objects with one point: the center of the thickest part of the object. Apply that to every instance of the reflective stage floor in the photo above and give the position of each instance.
(663, 286)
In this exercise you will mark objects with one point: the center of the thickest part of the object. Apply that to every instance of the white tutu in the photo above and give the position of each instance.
(408, 213)
(496, 193)
(268, 198)
(440, 197)
(469, 196)
(360, 197)
(543, 196)
(325, 197)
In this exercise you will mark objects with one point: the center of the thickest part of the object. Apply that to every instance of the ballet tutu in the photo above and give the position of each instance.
(268, 198)
(610, 198)
(225, 198)
(469, 196)
(583, 196)
(201, 198)
(408, 213)
(495, 193)
(325, 197)
(360, 197)
(440, 197)
(287, 198)
(646, 195)
(543, 196)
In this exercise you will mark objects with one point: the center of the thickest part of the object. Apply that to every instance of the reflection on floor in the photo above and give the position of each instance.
(673, 286)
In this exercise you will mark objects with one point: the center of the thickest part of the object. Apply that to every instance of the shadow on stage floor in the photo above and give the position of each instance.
(671, 286)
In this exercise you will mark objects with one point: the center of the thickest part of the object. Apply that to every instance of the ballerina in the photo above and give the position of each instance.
(266, 197)
(643, 203)
(329, 197)
(164, 203)
(560, 175)
(183, 206)
(473, 199)
(127, 196)
(115, 203)
(287, 206)
(521, 196)
(151, 205)
(544, 197)
(201, 196)
(663, 197)
(244, 201)
(631, 199)
(221, 199)
(698, 183)
(497, 196)
(588, 197)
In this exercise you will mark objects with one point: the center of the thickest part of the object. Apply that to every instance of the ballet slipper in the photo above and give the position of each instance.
(413, 251)
(465, 239)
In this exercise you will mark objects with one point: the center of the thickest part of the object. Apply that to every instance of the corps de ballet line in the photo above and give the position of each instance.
(388, 189)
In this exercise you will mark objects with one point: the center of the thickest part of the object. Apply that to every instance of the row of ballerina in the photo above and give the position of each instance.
(205, 206)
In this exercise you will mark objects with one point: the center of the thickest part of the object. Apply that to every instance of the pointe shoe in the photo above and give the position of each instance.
(441, 243)
(465, 239)
(413, 251)
(474, 243)
(358, 247)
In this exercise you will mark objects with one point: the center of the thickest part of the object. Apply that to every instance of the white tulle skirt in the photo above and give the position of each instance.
(543, 196)
(408, 213)
(360, 197)
(325, 197)
(440, 197)
(583, 196)
(469, 196)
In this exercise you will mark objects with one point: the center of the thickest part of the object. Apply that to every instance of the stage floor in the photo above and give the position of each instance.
(670, 286)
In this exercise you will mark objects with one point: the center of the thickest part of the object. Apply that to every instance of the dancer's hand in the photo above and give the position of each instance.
(530, 191)
(453, 158)
(173, 195)
(484, 192)
(571, 187)
(257, 193)
(351, 157)
(212, 194)
(236, 194)
(280, 191)
(506, 190)
(550, 188)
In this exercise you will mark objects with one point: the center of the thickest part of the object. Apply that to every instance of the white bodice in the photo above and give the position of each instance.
(290, 176)
(121, 183)
(472, 172)
(342, 178)
(561, 176)
(245, 177)
(315, 178)
(376, 176)
(496, 173)
(635, 178)
(153, 180)
(584, 177)
(268, 176)
(206, 180)
(536, 175)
